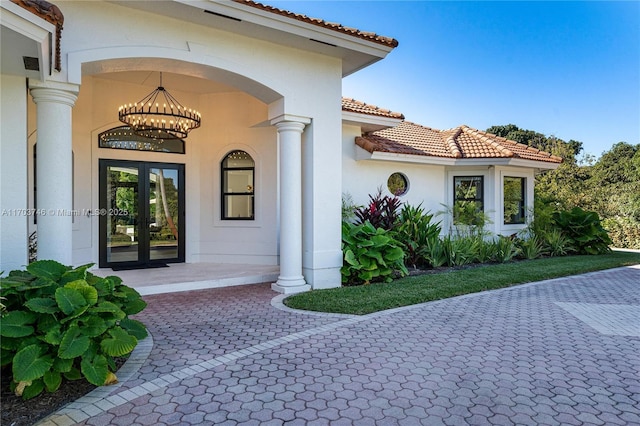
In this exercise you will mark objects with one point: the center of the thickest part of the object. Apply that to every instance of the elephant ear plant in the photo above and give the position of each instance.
(64, 323)
(370, 254)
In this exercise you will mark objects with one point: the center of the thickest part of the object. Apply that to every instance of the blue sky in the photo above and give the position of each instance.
(569, 69)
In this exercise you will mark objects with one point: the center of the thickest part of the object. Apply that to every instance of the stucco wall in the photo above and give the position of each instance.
(14, 215)
(430, 185)
(427, 184)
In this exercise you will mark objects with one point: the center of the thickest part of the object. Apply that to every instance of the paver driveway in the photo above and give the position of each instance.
(560, 352)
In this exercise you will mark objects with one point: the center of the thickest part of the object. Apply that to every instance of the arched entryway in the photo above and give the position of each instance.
(233, 120)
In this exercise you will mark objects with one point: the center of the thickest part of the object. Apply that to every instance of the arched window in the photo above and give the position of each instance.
(238, 186)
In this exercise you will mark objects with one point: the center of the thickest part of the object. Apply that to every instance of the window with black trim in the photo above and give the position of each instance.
(514, 200)
(238, 186)
(468, 199)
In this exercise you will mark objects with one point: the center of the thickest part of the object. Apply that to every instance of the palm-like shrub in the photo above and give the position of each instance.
(460, 251)
(532, 247)
(434, 253)
(414, 230)
(63, 323)
(486, 250)
(506, 249)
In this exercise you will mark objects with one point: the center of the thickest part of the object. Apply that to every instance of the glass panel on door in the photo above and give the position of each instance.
(163, 227)
(121, 214)
(142, 219)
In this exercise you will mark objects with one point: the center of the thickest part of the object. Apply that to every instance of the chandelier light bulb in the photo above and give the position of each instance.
(147, 122)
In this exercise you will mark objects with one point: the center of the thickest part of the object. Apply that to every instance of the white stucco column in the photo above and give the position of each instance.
(290, 143)
(14, 232)
(54, 170)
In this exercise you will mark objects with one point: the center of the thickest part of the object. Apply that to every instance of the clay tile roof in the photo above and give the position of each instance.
(373, 37)
(50, 13)
(360, 107)
(458, 143)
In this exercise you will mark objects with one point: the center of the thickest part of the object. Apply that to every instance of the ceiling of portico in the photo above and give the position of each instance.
(178, 76)
(173, 82)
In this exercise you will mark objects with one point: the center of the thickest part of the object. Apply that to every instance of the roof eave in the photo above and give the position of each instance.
(362, 154)
(34, 37)
(356, 53)
(369, 122)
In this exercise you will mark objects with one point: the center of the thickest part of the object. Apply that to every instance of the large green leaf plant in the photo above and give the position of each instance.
(584, 230)
(370, 254)
(65, 323)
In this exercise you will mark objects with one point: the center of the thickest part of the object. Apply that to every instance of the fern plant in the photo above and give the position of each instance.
(64, 323)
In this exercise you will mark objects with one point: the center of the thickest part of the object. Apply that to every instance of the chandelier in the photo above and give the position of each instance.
(159, 116)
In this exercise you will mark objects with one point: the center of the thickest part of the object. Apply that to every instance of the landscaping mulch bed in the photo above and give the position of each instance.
(17, 412)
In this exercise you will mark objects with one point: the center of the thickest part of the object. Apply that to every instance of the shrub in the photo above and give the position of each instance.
(434, 253)
(33, 247)
(543, 212)
(532, 247)
(467, 213)
(487, 250)
(370, 254)
(557, 244)
(460, 250)
(64, 323)
(466, 219)
(506, 249)
(583, 230)
(382, 211)
(624, 232)
(414, 230)
(348, 207)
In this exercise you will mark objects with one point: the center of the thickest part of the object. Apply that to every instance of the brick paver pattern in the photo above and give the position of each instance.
(560, 352)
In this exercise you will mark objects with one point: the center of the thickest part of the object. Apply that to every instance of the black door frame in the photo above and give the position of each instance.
(143, 207)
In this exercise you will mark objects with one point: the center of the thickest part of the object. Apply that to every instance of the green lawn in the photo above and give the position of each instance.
(424, 288)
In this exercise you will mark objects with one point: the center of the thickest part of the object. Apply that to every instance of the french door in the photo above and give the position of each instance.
(141, 214)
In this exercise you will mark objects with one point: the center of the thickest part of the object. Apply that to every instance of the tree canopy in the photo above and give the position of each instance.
(610, 186)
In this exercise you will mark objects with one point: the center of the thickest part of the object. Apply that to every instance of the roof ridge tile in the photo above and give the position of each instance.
(452, 144)
(484, 137)
(462, 142)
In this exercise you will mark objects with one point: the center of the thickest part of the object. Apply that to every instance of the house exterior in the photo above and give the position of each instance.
(438, 168)
(258, 182)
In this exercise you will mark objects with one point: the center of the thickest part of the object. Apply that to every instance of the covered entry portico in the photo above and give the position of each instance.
(56, 231)
(264, 86)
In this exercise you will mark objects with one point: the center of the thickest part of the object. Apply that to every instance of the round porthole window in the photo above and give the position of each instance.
(398, 184)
